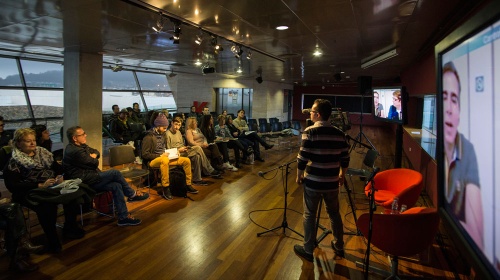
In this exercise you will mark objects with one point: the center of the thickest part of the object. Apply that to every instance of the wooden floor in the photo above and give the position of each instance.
(215, 235)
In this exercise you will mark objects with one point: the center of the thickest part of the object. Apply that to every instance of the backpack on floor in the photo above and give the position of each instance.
(103, 202)
(177, 178)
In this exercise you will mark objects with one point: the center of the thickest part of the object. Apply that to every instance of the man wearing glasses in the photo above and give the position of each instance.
(395, 109)
(82, 161)
(322, 162)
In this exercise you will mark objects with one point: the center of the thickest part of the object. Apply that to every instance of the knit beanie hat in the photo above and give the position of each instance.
(161, 120)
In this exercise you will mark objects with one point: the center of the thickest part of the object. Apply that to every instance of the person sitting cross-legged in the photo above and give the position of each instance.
(82, 161)
(153, 151)
(199, 162)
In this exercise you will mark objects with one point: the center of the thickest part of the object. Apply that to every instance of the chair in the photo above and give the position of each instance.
(252, 125)
(403, 234)
(124, 155)
(401, 182)
(262, 120)
(368, 161)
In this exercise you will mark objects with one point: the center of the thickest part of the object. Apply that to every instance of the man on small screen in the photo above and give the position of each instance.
(395, 109)
(379, 108)
(461, 170)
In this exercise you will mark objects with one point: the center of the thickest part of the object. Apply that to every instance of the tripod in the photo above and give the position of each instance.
(284, 224)
(359, 137)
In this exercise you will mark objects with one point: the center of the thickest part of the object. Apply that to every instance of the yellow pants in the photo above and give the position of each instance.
(164, 164)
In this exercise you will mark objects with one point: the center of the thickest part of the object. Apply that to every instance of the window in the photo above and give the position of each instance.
(43, 74)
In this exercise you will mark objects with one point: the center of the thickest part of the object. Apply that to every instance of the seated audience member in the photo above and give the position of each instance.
(208, 129)
(221, 130)
(136, 113)
(242, 125)
(152, 118)
(17, 242)
(206, 111)
(224, 113)
(194, 137)
(120, 128)
(114, 116)
(199, 162)
(4, 136)
(153, 150)
(247, 143)
(192, 113)
(42, 136)
(82, 161)
(28, 176)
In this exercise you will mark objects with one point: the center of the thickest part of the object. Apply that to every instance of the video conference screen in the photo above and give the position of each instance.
(470, 139)
(388, 104)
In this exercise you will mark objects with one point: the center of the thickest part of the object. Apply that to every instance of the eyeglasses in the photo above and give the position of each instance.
(314, 112)
(83, 134)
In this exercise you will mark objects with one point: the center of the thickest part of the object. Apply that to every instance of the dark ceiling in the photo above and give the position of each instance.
(348, 33)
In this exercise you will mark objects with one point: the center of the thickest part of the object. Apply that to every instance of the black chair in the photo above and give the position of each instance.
(262, 120)
(252, 123)
(124, 156)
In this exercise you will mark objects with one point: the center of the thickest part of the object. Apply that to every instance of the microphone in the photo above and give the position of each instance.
(261, 174)
(375, 171)
(306, 111)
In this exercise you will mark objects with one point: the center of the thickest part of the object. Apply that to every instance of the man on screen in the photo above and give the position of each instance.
(462, 176)
(379, 108)
(395, 109)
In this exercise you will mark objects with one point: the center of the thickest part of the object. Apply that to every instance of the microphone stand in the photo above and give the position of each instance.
(284, 224)
(371, 199)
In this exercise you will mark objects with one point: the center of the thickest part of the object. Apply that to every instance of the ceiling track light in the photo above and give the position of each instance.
(198, 40)
(249, 54)
(317, 51)
(217, 47)
(177, 31)
(159, 24)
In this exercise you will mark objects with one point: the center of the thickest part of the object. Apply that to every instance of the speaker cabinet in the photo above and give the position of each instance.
(365, 85)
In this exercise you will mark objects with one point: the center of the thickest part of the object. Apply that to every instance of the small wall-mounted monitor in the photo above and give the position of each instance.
(468, 99)
(388, 104)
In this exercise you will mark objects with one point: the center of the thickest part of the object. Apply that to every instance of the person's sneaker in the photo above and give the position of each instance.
(190, 189)
(227, 166)
(138, 160)
(234, 169)
(167, 193)
(200, 183)
(269, 146)
(129, 221)
(301, 252)
(249, 161)
(138, 197)
(338, 252)
(216, 174)
(260, 159)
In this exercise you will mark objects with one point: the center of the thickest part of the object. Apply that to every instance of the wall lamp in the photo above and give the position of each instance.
(383, 57)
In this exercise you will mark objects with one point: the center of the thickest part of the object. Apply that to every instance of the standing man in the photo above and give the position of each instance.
(199, 161)
(82, 161)
(153, 150)
(323, 160)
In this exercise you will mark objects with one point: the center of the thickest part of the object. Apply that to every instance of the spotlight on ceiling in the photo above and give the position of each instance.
(116, 68)
(207, 69)
(249, 55)
(177, 31)
(172, 74)
(217, 47)
(197, 62)
(159, 24)
(198, 40)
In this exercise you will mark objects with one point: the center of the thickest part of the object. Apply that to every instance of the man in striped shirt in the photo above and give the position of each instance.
(323, 159)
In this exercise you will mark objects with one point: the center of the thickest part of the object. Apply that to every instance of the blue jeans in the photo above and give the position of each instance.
(112, 180)
(311, 202)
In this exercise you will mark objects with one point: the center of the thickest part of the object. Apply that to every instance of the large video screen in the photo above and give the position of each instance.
(388, 104)
(468, 67)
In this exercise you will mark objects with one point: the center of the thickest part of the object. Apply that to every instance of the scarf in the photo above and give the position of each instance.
(41, 160)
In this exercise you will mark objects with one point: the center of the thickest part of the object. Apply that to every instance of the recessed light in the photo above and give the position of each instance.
(282, 27)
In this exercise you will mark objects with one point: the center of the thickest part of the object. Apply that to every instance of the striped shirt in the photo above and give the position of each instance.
(324, 150)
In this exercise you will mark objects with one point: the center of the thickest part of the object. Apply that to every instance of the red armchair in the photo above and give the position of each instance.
(403, 234)
(404, 183)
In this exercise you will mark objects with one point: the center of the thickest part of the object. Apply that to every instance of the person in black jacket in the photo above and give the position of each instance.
(82, 161)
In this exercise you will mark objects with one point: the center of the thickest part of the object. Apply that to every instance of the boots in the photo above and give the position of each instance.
(26, 247)
(22, 264)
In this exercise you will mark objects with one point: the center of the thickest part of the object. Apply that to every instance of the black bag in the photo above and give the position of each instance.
(177, 178)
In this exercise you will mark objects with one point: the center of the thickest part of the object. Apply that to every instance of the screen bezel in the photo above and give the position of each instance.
(469, 250)
(390, 90)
